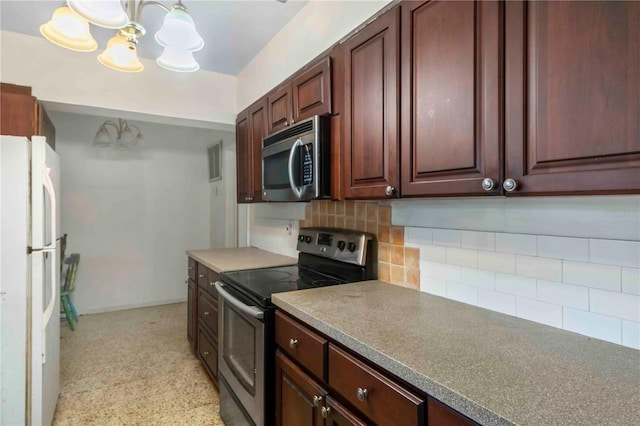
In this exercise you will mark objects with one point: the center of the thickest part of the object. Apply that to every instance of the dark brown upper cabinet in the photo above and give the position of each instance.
(23, 115)
(572, 97)
(251, 127)
(451, 88)
(306, 94)
(370, 113)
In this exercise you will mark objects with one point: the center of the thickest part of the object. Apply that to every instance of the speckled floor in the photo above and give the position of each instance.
(133, 367)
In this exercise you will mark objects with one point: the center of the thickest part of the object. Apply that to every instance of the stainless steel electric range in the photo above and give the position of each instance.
(246, 315)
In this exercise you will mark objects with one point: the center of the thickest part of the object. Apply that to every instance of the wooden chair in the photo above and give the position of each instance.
(68, 308)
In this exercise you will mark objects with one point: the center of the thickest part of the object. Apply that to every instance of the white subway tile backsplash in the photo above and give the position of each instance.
(539, 267)
(516, 243)
(446, 237)
(619, 305)
(542, 312)
(478, 278)
(631, 334)
(594, 325)
(604, 277)
(433, 253)
(461, 256)
(462, 293)
(516, 285)
(499, 262)
(433, 285)
(445, 271)
(563, 294)
(418, 235)
(499, 302)
(479, 240)
(631, 280)
(615, 252)
(563, 248)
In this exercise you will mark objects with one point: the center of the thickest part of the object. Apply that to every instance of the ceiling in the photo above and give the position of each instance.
(234, 31)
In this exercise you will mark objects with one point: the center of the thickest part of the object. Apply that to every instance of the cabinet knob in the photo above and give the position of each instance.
(510, 185)
(205, 353)
(362, 394)
(292, 121)
(389, 190)
(190, 268)
(206, 313)
(317, 401)
(200, 275)
(488, 184)
(211, 283)
(286, 123)
(325, 412)
(293, 343)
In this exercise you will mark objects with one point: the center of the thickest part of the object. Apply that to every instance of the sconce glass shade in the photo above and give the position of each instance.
(177, 60)
(69, 30)
(104, 13)
(179, 31)
(121, 55)
(103, 138)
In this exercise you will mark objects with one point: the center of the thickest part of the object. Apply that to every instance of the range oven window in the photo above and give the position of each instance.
(239, 349)
(276, 168)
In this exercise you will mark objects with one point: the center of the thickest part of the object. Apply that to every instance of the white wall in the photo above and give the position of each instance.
(223, 209)
(314, 29)
(75, 78)
(132, 214)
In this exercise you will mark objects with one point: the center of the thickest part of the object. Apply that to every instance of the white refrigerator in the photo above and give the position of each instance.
(29, 281)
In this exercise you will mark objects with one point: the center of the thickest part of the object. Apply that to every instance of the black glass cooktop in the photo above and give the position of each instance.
(260, 284)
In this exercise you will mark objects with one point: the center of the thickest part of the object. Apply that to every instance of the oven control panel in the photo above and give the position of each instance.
(338, 244)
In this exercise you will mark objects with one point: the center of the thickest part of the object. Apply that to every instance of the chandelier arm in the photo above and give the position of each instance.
(115, 126)
(135, 127)
(144, 3)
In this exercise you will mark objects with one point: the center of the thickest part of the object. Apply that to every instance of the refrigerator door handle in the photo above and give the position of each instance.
(48, 184)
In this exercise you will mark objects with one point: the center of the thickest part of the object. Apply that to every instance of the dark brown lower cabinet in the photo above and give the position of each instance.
(192, 314)
(208, 353)
(351, 392)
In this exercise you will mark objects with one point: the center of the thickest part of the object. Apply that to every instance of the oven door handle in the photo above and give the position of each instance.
(294, 188)
(249, 310)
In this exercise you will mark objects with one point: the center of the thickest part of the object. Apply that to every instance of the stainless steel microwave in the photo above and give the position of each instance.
(295, 162)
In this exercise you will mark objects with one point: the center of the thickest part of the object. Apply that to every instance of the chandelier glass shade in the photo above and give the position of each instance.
(69, 28)
(124, 139)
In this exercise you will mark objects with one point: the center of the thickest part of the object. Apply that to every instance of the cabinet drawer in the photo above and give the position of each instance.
(301, 344)
(208, 312)
(191, 269)
(208, 354)
(377, 396)
(212, 277)
(203, 275)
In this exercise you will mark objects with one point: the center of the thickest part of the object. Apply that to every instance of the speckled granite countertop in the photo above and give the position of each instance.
(234, 259)
(494, 368)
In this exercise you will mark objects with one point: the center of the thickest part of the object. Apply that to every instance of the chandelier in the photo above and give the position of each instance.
(69, 28)
(124, 139)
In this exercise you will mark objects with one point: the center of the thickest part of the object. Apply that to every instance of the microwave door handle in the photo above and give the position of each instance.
(294, 188)
(249, 310)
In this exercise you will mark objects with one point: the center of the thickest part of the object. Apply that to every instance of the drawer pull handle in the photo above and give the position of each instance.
(206, 313)
(326, 411)
(293, 343)
(190, 268)
(211, 283)
(205, 353)
(362, 394)
(317, 400)
(201, 276)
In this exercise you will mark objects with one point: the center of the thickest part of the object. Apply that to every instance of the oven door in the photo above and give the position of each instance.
(241, 357)
(290, 170)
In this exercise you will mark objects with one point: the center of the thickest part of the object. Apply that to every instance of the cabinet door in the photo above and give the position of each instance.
(295, 392)
(450, 97)
(45, 126)
(17, 111)
(337, 415)
(439, 414)
(279, 108)
(192, 314)
(243, 152)
(370, 120)
(572, 96)
(257, 131)
(312, 91)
